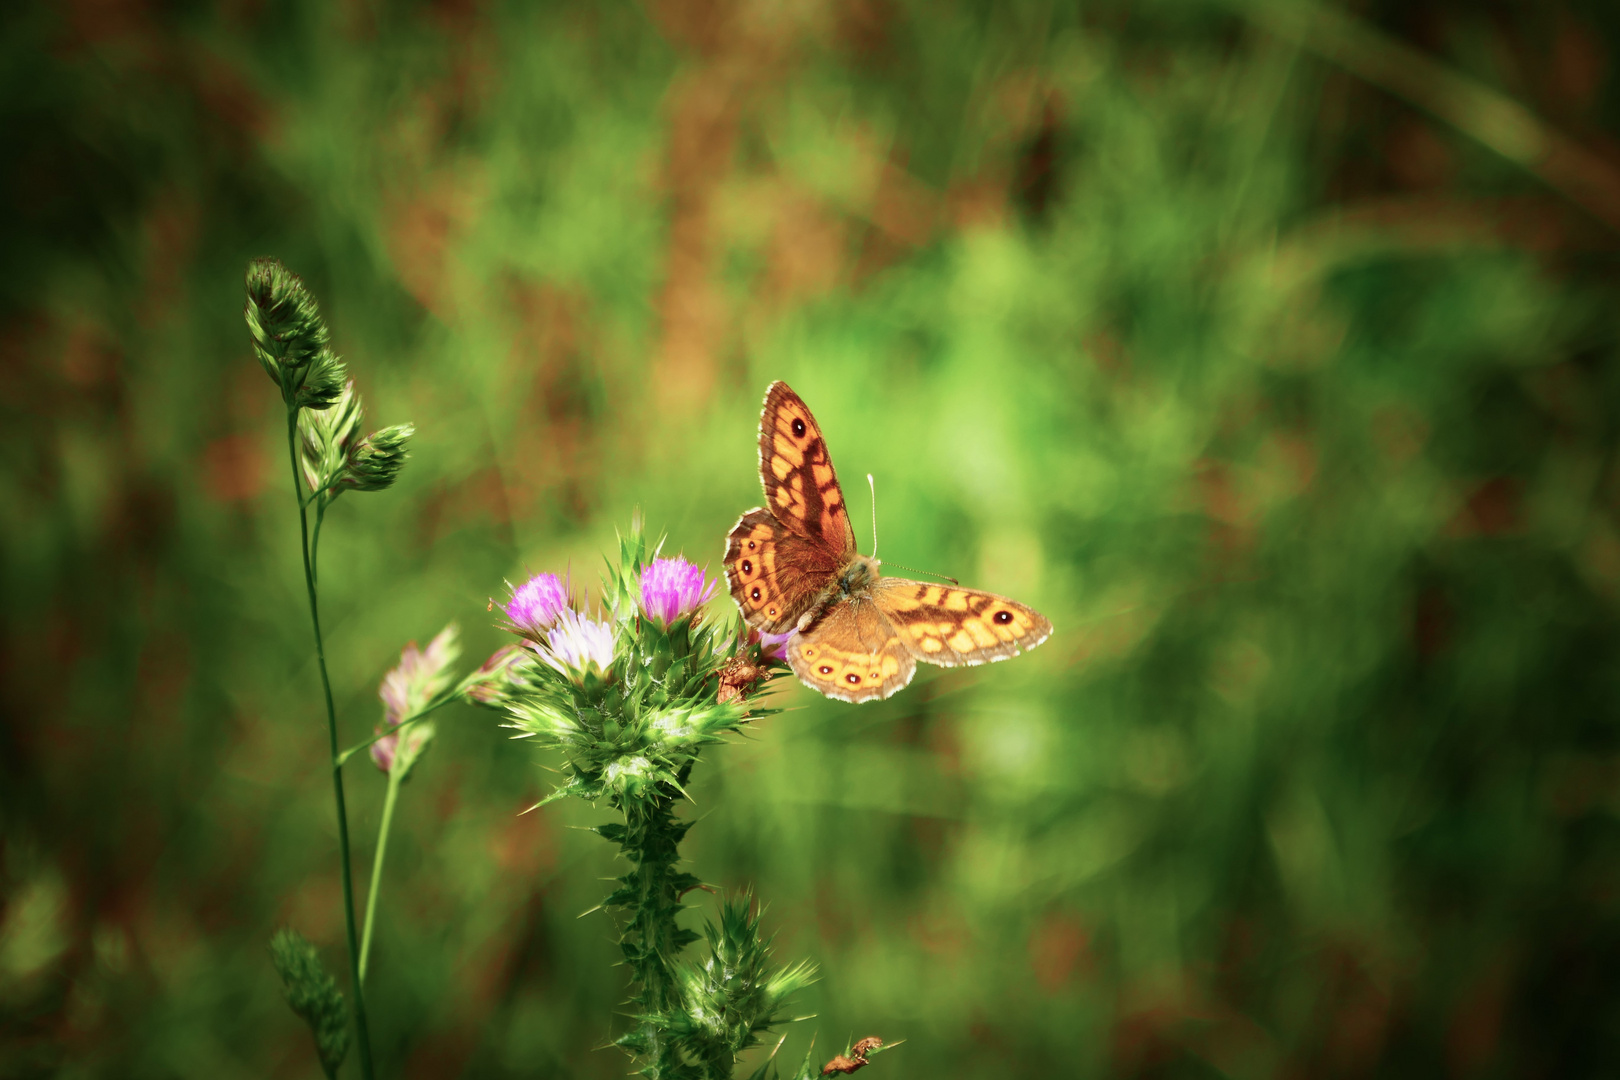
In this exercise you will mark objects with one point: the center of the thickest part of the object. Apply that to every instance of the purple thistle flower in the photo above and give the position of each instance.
(577, 646)
(672, 589)
(774, 646)
(535, 605)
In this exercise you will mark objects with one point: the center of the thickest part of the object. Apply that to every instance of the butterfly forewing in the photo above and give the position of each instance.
(852, 653)
(952, 626)
(801, 488)
(774, 574)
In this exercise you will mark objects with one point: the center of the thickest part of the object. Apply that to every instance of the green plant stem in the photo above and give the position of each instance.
(394, 777)
(653, 939)
(362, 1029)
(427, 711)
(315, 546)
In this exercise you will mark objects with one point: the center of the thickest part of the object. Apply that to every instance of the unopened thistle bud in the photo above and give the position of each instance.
(376, 460)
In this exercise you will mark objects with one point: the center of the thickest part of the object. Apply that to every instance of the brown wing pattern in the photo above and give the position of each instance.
(852, 653)
(783, 559)
(774, 574)
(801, 488)
(950, 626)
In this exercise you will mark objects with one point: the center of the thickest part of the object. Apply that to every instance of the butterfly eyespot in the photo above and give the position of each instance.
(748, 567)
(874, 674)
(751, 545)
(824, 669)
(1004, 617)
(808, 651)
(754, 594)
(852, 678)
(772, 611)
(798, 428)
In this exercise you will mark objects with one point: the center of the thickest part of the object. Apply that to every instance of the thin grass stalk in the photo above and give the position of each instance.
(394, 778)
(361, 1027)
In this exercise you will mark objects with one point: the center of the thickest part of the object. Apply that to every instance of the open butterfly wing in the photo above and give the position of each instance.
(950, 626)
(801, 488)
(774, 575)
(852, 653)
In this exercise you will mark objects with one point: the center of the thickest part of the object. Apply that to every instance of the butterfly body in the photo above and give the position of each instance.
(792, 565)
(852, 584)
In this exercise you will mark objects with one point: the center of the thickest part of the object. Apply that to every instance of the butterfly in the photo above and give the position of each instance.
(792, 564)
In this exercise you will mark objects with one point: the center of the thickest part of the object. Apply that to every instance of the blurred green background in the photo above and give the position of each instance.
(1275, 362)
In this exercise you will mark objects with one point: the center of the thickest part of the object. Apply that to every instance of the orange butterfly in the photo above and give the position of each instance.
(792, 564)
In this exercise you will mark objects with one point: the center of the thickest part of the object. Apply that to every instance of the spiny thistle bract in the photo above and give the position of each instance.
(735, 994)
(631, 698)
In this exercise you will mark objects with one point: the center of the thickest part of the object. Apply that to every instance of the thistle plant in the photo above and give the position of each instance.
(631, 695)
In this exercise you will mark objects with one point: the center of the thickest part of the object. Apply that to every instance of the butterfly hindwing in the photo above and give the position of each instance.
(801, 488)
(951, 626)
(852, 653)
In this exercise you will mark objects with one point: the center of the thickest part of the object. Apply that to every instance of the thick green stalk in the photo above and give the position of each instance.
(362, 1030)
(394, 776)
(653, 939)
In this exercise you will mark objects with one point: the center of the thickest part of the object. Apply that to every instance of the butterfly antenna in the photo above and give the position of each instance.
(930, 573)
(873, 485)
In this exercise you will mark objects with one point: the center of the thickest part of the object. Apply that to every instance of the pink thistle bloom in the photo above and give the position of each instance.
(577, 646)
(672, 589)
(773, 646)
(535, 605)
